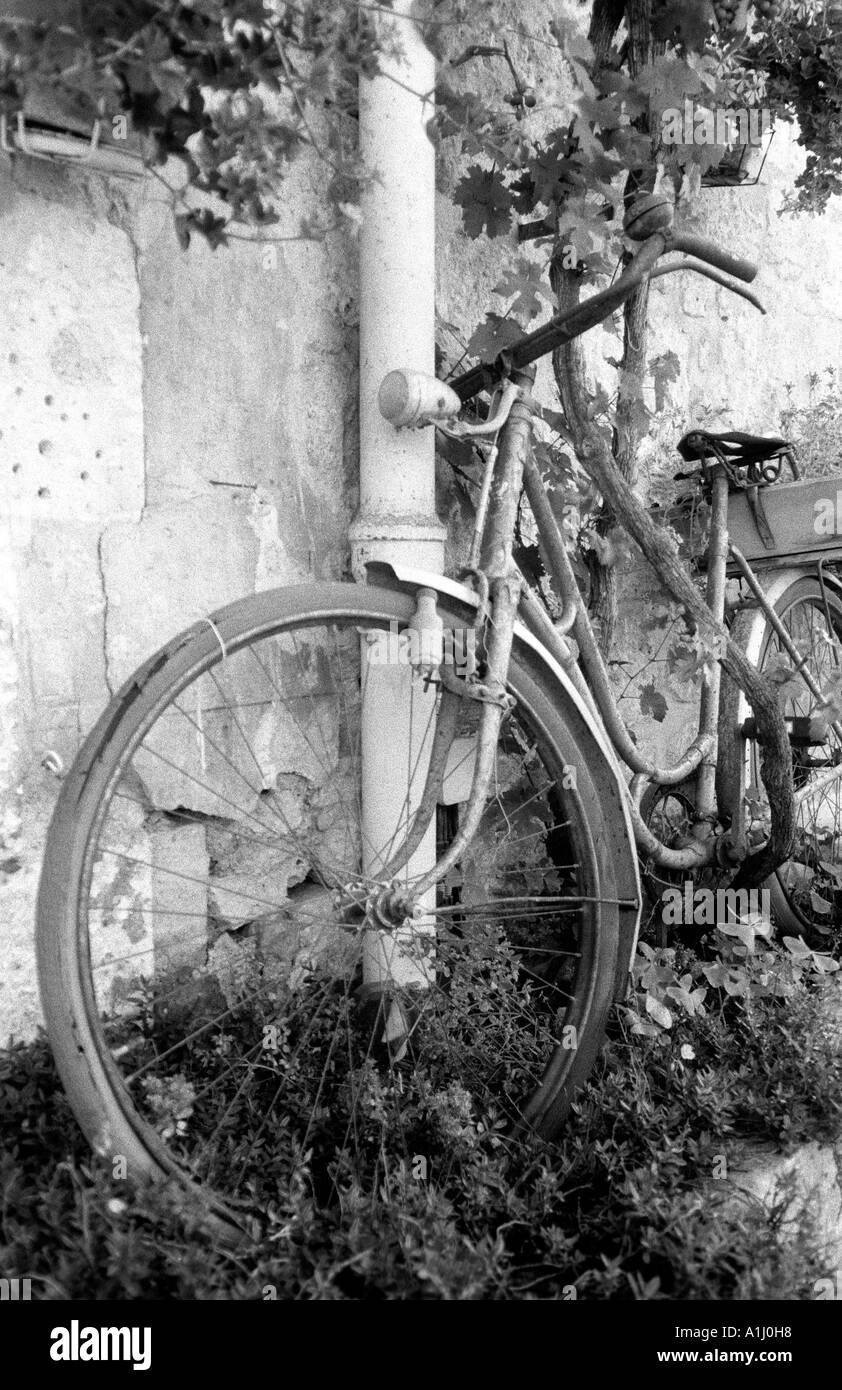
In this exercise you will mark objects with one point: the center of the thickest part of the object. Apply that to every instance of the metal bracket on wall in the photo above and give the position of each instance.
(66, 147)
(23, 143)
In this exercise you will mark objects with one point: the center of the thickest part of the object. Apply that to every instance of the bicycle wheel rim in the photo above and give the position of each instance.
(819, 817)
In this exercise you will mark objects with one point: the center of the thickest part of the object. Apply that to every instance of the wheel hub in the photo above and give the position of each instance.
(384, 907)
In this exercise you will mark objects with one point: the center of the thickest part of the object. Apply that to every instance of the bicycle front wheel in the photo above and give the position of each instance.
(201, 964)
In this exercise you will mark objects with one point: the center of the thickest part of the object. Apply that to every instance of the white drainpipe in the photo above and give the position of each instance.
(397, 513)
(397, 518)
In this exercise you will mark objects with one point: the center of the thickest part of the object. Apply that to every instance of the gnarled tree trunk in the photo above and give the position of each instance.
(568, 361)
(613, 471)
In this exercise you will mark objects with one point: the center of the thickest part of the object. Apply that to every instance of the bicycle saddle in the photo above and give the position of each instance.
(739, 448)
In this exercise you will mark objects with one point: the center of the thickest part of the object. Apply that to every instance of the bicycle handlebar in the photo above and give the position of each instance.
(708, 251)
(574, 322)
(710, 274)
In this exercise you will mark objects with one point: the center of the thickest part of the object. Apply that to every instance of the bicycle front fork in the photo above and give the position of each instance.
(500, 592)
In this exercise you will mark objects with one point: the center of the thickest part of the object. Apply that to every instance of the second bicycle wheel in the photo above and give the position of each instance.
(201, 971)
(806, 891)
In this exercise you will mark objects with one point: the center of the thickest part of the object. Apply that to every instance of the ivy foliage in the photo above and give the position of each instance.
(798, 54)
(237, 90)
(233, 90)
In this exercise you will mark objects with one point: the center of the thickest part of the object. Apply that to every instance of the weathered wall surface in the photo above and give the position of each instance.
(72, 461)
(179, 429)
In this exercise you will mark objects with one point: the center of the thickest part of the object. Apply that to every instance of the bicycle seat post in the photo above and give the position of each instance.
(717, 556)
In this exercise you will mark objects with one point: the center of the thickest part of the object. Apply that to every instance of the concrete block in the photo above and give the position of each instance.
(238, 898)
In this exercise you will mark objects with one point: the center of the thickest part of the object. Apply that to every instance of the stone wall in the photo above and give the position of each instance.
(177, 430)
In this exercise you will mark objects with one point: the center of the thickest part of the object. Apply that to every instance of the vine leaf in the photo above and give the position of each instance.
(669, 81)
(463, 114)
(577, 50)
(637, 416)
(558, 471)
(209, 226)
(653, 703)
(633, 101)
(485, 201)
(491, 337)
(665, 369)
(600, 402)
(182, 229)
(686, 661)
(782, 676)
(830, 708)
(524, 281)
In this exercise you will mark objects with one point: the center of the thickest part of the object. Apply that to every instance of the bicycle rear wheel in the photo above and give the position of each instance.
(201, 980)
(806, 891)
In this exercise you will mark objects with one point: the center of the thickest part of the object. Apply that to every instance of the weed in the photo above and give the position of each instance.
(435, 1200)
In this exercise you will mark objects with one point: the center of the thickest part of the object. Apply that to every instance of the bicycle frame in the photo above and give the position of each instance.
(700, 756)
(510, 599)
(504, 598)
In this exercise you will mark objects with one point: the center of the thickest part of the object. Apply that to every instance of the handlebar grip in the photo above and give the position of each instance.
(705, 250)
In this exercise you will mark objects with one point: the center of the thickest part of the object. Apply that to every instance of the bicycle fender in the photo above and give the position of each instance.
(628, 887)
(780, 581)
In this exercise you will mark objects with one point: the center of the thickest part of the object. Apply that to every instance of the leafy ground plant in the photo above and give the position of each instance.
(436, 1200)
(815, 426)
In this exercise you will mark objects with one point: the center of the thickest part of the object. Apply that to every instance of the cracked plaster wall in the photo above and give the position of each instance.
(177, 431)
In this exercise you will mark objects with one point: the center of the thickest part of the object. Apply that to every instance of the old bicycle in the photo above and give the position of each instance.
(219, 936)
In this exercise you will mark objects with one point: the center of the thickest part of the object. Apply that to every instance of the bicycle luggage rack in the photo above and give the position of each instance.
(774, 526)
(800, 522)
